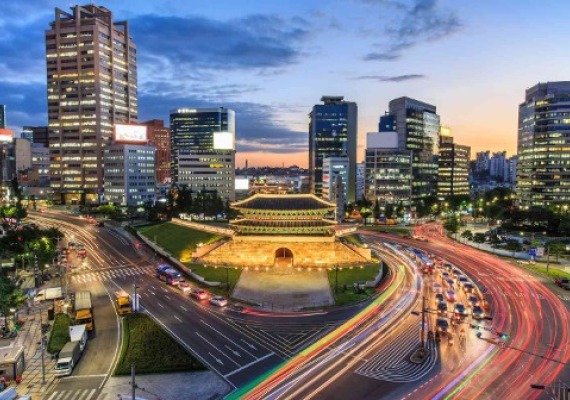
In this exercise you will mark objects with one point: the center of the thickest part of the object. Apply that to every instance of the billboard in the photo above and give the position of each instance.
(241, 183)
(130, 134)
(6, 135)
(224, 141)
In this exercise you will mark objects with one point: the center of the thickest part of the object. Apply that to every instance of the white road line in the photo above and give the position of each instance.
(227, 338)
(160, 305)
(179, 320)
(184, 308)
(249, 365)
(52, 396)
(215, 348)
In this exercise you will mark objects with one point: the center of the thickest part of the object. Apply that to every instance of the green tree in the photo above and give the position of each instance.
(366, 213)
(107, 209)
(376, 210)
(479, 238)
(467, 235)
(10, 297)
(556, 248)
(452, 225)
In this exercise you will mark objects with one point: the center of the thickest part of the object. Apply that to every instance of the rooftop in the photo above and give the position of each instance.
(283, 202)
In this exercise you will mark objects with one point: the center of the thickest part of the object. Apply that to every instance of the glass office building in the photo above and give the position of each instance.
(543, 166)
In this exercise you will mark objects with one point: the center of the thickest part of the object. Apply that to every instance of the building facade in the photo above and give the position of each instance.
(159, 137)
(333, 131)
(498, 165)
(36, 135)
(483, 162)
(543, 166)
(333, 167)
(388, 170)
(203, 149)
(360, 180)
(3, 124)
(453, 172)
(417, 125)
(130, 177)
(510, 174)
(91, 86)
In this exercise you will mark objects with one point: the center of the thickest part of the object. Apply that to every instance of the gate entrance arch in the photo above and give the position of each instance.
(283, 257)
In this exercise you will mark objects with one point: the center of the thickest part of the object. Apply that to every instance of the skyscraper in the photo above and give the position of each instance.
(92, 85)
(2, 116)
(36, 134)
(417, 125)
(159, 136)
(543, 166)
(333, 133)
(453, 172)
(203, 149)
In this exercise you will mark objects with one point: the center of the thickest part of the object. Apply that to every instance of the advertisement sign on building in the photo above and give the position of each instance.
(130, 133)
(224, 141)
(6, 135)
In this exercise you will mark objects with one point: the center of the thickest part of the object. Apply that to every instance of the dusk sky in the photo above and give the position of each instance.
(272, 61)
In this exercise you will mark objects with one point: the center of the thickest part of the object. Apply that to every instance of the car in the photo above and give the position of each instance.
(462, 280)
(218, 301)
(442, 307)
(448, 265)
(438, 298)
(199, 294)
(456, 273)
(184, 288)
(468, 287)
(473, 300)
(445, 274)
(478, 313)
(441, 325)
(437, 288)
(459, 310)
(450, 296)
(562, 282)
(100, 224)
(450, 283)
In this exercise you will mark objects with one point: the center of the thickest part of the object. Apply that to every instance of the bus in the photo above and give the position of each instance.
(168, 274)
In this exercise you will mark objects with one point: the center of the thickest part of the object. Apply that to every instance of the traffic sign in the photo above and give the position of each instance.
(532, 252)
(540, 251)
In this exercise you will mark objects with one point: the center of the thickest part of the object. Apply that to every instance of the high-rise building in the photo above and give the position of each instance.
(418, 126)
(543, 166)
(453, 174)
(360, 180)
(388, 170)
(333, 167)
(510, 173)
(3, 124)
(36, 134)
(159, 136)
(91, 86)
(333, 133)
(129, 174)
(498, 164)
(483, 162)
(203, 149)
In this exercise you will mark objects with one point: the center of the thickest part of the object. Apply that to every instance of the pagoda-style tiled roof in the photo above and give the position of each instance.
(282, 227)
(285, 202)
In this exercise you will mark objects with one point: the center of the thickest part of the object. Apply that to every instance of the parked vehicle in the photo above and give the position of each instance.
(123, 302)
(49, 294)
(78, 333)
(218, 301)
(68, 358)
(83, 309)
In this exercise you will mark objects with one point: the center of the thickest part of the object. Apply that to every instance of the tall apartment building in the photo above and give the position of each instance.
(417, 125)
(333, 167)
(510, 173)
(498, 164)
(543, 166)
(91, 86)
(453, 172)
(483, 162)
(159, 136)
(203, 149)
(129, 174)
(3, 124)
(360, 180)
(388, 170)
(36, 134)
(333, 131)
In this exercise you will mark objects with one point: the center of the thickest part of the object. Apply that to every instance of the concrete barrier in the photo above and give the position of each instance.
(204, 227)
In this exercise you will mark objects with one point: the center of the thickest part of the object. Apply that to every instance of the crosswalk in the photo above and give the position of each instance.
(110, 274)
(77, 394)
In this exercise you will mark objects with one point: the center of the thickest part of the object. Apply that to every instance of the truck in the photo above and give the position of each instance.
(83, 309)
(123, 303)
(49, 294)
(78, 333)
(68, 357)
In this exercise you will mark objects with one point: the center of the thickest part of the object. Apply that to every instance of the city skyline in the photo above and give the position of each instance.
(276, 69)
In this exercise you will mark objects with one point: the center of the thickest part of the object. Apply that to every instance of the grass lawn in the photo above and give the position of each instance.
(349, 276)
(353, 239)
(151, 349)
(553, 272)
(212, 274)
(179, 241)
(59, 333)
(401, 230)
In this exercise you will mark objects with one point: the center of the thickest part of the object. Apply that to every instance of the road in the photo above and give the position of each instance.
(237, 346)
(534, 318)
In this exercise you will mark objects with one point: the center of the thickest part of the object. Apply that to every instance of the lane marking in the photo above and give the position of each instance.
(179, 320)
(216, 348)
(184, 308)
(227, 338)
(249, 365)
(160, 305)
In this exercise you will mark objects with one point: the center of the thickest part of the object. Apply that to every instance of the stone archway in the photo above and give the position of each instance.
(283, 257)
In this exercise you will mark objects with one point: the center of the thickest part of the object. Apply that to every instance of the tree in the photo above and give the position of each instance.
(17, 190)
(556, 248)
(452, 225)
(376, 210)
(10, 297)
(467, 235)
(107, 209)
(495, 240)
(479, 238)
(366, 213)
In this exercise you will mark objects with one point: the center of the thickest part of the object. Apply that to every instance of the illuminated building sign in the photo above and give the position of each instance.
(130, 134)
(224, 141)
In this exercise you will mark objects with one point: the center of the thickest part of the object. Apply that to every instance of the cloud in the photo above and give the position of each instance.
(26, 103)
(423, 22)
(397, 78)
(250, 42)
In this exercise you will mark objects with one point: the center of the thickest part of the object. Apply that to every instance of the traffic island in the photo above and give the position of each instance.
(419, 356)
(59, 333)
(151, 349)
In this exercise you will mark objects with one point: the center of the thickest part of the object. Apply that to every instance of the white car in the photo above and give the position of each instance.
(218, 301)
(184, 287)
